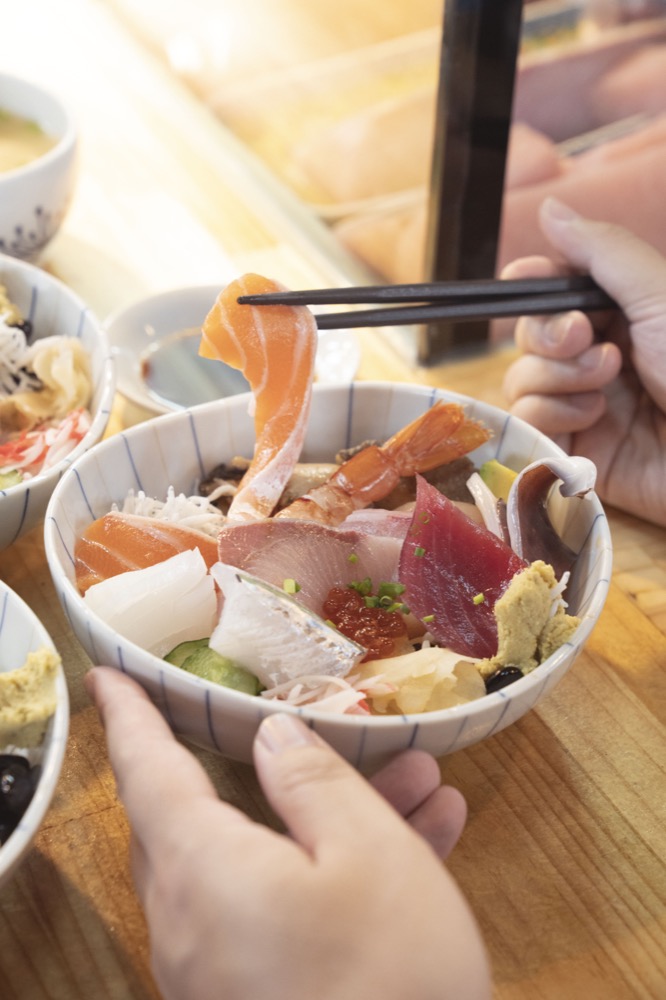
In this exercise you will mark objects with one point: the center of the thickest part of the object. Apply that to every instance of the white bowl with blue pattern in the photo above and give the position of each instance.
(35, 197)
(53, 308)
(21, 632)
(179, 449)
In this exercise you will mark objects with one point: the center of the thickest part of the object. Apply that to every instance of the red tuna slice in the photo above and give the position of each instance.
(447, 561)
(316, 556)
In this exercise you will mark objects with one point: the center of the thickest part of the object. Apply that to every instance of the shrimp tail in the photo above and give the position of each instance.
(439, 436)
(442, 434)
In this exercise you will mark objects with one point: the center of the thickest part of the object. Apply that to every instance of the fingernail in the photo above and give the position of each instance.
(558, 211)
(282, 731)
(594, 358)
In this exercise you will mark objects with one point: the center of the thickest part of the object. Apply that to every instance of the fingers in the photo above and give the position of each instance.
(441, 819)
(559, 416)
(411, 783)
(590, 371)
(322, 800)
(158, 779)
(631, 271)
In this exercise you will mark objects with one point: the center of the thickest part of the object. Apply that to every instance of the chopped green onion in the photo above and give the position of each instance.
(290, 586)
(424, 517)
(353, 558)
(391, 589)
(370, 601)
(419, 552)
(362, 587)
(428, 618)
(479, 598)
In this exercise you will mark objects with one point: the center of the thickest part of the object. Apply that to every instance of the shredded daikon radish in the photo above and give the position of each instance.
(192, 512)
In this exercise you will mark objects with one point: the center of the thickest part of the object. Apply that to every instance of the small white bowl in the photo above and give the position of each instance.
(21, 632)
(157, 361)
(53, 308)
(178, 449)
(34, 198)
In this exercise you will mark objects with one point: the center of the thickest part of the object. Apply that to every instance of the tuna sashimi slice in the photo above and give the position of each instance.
(455, 570)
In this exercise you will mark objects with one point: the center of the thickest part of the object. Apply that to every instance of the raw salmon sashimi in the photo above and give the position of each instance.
(274, 347)
(117, 543)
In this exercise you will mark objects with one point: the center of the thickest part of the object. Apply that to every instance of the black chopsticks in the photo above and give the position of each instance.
(452, 300)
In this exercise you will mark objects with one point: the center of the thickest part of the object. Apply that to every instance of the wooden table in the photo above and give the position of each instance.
(563, 853)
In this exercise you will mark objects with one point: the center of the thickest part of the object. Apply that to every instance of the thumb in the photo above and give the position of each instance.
(630, 270)
(319, 796)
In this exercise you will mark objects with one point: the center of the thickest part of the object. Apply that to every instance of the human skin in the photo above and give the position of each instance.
(351, 902)
(597, 384)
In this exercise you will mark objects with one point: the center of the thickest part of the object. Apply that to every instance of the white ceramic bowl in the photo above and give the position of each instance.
(178, 449)
(34, 198)
(160, 369)
(21, 632)
(53, 308)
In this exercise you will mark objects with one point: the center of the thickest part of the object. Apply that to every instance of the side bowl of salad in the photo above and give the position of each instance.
(176, 453)
(57, 383)
(34, 725)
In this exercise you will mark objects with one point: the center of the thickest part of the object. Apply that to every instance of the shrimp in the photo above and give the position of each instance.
(440, 435)
(274, 347)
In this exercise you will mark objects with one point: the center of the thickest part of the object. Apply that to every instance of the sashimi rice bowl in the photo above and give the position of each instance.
(399, 565)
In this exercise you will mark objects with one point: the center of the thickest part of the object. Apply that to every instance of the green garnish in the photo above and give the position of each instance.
(362, 587)
(290, 586)
(390, 590)
(353, 558)
(419, 551)
(479, 598)
(428, 618)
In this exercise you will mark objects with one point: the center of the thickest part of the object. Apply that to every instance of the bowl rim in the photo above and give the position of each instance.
(20, 840)
(65, 142)
(107, 379)
(538, 678)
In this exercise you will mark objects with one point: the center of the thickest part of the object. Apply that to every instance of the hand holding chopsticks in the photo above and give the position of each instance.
(484, 299)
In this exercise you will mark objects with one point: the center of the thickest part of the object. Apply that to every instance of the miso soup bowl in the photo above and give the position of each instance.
(53, 309)
(35, 197)
(178, 449)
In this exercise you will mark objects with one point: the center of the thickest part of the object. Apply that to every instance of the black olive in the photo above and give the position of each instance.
(17, 785)
(507, 675)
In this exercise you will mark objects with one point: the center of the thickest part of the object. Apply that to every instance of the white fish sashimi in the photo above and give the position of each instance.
(160, 606)
(316, 556)
(274, 636)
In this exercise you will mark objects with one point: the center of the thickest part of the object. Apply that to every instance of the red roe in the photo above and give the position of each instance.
(373, 627)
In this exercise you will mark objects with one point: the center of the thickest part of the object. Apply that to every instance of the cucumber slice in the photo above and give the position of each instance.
(180, 653)
(211, 666)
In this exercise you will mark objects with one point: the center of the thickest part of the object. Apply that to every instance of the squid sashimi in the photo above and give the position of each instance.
(274, 347)
(314, 555)
(119, 543)
(440, 435)
(455, 570)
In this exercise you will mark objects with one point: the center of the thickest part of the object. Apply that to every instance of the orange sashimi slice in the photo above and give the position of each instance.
(274, 347)
(117, 543)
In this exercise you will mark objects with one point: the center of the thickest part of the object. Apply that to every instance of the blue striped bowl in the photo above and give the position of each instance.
(178, 449)
(21, 632)
(52, 308)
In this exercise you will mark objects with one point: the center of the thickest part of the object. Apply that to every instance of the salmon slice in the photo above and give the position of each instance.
(118, 543)
(274, 347)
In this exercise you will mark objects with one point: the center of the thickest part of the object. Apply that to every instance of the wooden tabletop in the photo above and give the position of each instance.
(562, 857)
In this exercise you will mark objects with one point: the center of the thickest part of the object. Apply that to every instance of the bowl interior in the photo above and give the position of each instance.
(52, 308)
(28, 100)
(179, 449)
(21, 632)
